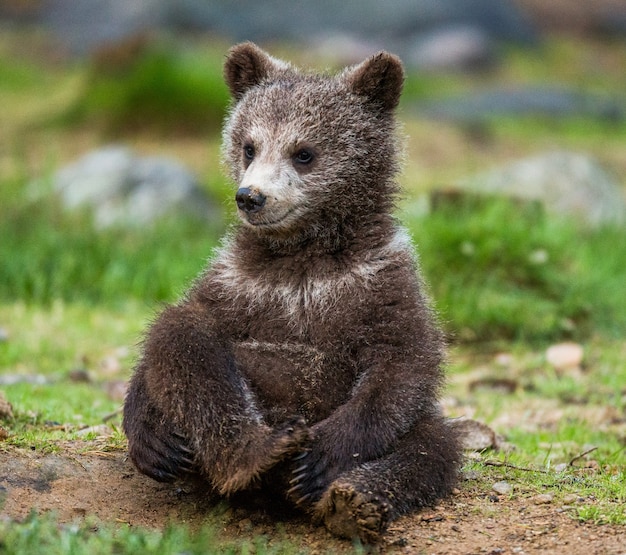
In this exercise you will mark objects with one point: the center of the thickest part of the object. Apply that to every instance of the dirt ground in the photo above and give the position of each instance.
(80, 482)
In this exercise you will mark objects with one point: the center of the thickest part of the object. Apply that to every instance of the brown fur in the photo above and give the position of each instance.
(308, 344)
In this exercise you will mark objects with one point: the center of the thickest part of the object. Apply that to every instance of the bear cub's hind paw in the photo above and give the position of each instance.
(350, 513)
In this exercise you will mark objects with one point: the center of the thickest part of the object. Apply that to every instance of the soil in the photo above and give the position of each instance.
(84, 480)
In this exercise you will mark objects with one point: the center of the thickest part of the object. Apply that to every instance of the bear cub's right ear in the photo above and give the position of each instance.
(246, 66)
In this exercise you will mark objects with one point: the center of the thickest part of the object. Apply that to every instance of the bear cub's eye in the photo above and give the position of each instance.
(248, 152)
(303, 156)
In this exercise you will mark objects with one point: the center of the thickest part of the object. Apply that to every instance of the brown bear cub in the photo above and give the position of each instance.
(306, 359)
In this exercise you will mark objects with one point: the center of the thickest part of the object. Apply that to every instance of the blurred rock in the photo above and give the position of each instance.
(79, 375)
(36, 379)
(101, 430)
(605, 18)
(566, 183)
(395, 24)
(124, 189)
(452, 48)
(543, 499)
(502, 488)
(110, 365)
(6, 409)
(565, 356)
(116, 389)
(475, 436)
(552, 102)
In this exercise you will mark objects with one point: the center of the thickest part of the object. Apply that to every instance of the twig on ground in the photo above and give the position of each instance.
(577, 457)
(513, 466)
(112, 415)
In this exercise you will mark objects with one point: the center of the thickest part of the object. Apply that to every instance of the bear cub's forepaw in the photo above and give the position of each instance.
(265, 452)
(350, 513)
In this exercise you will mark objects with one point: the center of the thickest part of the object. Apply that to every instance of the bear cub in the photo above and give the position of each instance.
(305, 360)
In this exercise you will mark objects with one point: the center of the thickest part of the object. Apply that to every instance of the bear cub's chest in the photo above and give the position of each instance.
(293, 378)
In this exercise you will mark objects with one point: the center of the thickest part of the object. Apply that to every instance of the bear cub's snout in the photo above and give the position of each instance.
(249, 201)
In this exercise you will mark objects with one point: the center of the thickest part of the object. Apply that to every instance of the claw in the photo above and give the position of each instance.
(300, 469)
(163, 476)
(297, 478)
(301, 456)
(294, 489)
(303, 499)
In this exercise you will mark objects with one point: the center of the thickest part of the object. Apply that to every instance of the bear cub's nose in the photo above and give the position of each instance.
(249, 201)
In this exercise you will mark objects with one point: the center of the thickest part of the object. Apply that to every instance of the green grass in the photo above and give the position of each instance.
(598, 497)
(499, 270)
(505, 270)
(160, 87)
(43, 534)
(50, 255)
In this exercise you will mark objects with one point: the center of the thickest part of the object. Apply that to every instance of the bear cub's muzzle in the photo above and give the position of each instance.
(249, 201)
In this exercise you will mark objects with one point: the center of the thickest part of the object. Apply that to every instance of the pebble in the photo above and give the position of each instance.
(565, 356)
(503, 488)
(504, 360)
(543, 499)
(79, 375)
(116, 389)
(36, 379)
(110, 365)
(475, 436)
(6, 410)
(100, 430)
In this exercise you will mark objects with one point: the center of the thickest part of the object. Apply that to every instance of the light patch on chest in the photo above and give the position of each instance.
(308, 294)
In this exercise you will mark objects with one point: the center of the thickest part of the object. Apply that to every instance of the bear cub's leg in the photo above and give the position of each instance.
(189, 409)
(362, 502)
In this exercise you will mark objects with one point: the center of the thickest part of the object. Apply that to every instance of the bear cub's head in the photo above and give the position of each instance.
(310, 152)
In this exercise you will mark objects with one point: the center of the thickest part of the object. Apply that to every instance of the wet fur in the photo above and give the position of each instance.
(306, 358)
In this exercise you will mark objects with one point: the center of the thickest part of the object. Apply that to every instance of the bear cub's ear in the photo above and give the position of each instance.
(246, 66)
(379, 79)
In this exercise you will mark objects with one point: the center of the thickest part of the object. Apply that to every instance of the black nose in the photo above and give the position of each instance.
(249, 201)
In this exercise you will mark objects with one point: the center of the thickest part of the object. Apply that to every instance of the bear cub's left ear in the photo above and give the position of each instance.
(379, 79)
(247, 65)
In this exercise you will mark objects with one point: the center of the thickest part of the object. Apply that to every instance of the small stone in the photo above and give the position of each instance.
(538, 257)
(6, 410)
(110, 365)
(116, 389)
(79, 375)
(565, 356)
(561, 467)
(570, 499)
(543, 499)
(475, 436)
(502, 488)
(101, 430)
(505, 360)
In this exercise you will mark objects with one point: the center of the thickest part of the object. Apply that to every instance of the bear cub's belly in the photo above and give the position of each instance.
(291, 379)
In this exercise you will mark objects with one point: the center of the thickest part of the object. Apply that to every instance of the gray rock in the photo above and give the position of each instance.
(553, 102)
(86, 24)
(452, 48)
(475, 436)
(503, 488)
(566, 183)
(124, 189)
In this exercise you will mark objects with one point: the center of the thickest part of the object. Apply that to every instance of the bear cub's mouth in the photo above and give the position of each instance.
(266, 219)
